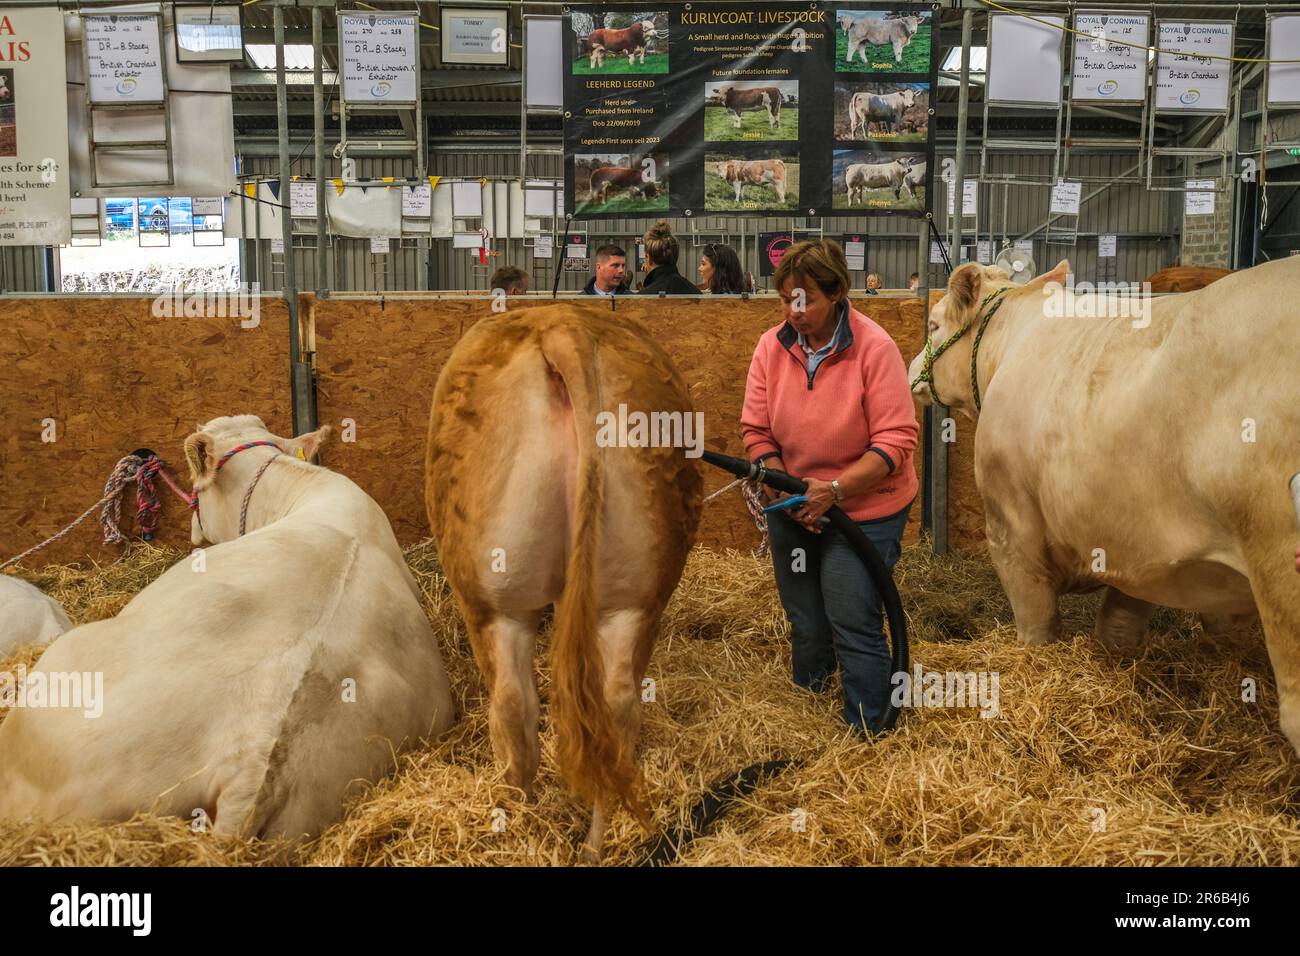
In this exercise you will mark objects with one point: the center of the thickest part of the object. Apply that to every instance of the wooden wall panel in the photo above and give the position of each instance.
(377, 365)
(115, 378)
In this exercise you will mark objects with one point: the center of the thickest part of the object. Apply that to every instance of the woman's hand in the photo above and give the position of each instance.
(821, 496)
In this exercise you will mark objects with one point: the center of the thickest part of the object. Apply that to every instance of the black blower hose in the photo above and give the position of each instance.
(862, 547)
(665, 849)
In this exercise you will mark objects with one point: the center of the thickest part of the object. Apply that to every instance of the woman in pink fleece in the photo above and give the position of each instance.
(828, 400)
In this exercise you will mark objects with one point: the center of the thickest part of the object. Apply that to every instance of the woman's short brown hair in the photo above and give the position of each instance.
(661, 244)
(819, 261)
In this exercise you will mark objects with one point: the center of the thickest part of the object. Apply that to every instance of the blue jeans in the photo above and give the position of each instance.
(836, 615)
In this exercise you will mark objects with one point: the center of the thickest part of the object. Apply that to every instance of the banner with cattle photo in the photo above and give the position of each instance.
(761, 109)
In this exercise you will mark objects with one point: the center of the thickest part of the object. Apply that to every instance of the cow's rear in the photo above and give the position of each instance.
(530, 510)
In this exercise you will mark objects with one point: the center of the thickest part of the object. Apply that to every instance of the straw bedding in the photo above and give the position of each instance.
(1091, 760)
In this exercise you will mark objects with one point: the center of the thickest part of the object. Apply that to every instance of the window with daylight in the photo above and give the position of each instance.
(154, 244)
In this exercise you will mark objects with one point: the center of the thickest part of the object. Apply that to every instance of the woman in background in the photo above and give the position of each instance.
(720, 271)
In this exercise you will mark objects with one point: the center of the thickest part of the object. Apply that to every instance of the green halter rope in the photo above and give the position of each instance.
(932, 354)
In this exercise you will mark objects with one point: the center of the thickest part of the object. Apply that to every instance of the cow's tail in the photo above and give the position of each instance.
(594, 757)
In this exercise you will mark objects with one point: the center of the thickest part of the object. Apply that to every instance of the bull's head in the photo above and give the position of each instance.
(909, 98)
(942, 371)
(844, 22)
(648, 30)
(721, 167)
(910, 24)
(219, 486)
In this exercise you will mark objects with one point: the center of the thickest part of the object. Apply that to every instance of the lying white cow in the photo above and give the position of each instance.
(254, 682)
(28, 615)
(860, 177)
(868, 31)
(885, 108)
(1146, 453)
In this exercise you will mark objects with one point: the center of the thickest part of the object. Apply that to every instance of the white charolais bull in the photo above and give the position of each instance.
(255, 682)
(1147, 452)
(28, 615)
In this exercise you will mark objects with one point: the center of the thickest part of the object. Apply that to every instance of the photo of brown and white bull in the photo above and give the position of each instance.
(884, 108)
(738, 100)
(630, 40)
(531, 508)
(605, 179)
(739, 173)
(863, 31)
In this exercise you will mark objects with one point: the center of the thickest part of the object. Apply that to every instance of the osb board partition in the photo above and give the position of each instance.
(112, 378)
(377, 365)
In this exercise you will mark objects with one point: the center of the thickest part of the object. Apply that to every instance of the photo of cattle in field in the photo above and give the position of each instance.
(882, 41)
(8, 124)
(735, 183)
(877, 180)
(620, 183)
(620, 42)
(752, 110)
(888, 112)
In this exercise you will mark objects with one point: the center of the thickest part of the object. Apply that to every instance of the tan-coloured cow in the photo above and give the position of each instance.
(530, 509)
(1147, 451)
(253, 684)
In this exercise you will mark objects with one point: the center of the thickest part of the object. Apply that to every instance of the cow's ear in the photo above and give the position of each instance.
(964, 286)
(306, 446)
(1059, 274)
(201, 456)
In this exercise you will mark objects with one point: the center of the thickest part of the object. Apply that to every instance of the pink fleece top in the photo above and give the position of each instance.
(858, 401)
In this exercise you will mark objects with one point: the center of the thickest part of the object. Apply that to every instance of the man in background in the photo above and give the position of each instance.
(611, 272)
(873, 284)
(914, 282)
(510, 279)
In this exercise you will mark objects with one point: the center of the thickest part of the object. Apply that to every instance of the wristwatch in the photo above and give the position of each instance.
(835, 487)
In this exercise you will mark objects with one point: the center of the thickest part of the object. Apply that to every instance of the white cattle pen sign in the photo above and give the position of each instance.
(35, 198)
(1193, 75)
(379, 57)
(1110, 59)
(123, 58)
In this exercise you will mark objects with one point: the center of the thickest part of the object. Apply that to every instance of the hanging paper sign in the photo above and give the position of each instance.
(969, 192)
(277, 247)
(1199, 198)
(206, 207)
(380, 53)
(417, 201)
(543, 248)
(855, 252)
(1105, 247)
(123, 58)
(1106, 66)
(984, 251)
(937, 251)
(379, 245)
(302, 199)
(1024, 245)
(1025, 59)
(1065, 197)
(1186, 78)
